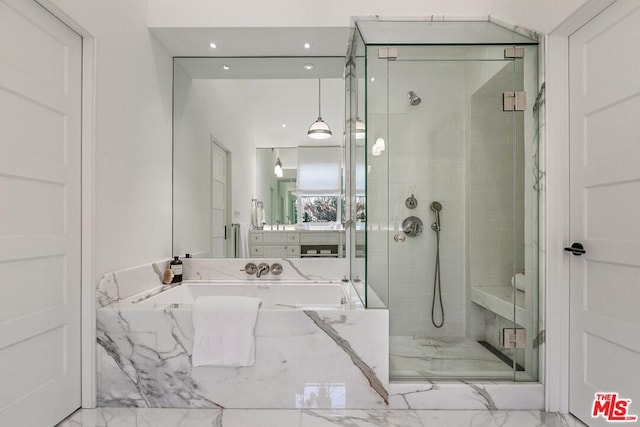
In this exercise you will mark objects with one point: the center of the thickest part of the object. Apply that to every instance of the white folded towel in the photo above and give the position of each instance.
(518, 281)
(243, 244)
(224, 330)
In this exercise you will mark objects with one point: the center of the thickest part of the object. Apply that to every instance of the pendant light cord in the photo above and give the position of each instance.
(319, 99)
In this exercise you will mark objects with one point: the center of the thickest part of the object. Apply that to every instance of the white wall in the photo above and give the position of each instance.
(541, 15)
(295, 13)
(132, 134)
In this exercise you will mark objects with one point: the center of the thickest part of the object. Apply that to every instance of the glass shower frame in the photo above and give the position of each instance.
(374, 176)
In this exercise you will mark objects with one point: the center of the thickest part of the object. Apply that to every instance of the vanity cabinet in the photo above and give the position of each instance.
(296, 244)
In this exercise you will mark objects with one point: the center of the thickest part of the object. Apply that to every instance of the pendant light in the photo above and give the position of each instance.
(319, 129)
(278, 168)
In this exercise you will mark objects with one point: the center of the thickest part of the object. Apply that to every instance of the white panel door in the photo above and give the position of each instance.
(40, 90)
(605, 211)
(219, 230)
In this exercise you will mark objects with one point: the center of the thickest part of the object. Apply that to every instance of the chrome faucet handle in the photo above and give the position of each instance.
(263, 268)
(276, 268)
(250, 268)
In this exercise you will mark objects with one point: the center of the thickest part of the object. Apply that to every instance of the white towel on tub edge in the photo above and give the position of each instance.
(224, 330)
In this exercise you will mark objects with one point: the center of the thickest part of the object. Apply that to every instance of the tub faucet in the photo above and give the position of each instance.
(263, 268)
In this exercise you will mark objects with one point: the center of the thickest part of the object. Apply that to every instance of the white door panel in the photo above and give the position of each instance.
(605, 209)
(40, 126)
(219, 207)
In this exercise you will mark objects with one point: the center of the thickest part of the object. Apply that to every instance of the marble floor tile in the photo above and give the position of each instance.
(360, 418)
(261, 417)
(412, 357)
(156, 417)
(144, 417)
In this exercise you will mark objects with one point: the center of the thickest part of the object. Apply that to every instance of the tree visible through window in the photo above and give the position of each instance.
(319, 208)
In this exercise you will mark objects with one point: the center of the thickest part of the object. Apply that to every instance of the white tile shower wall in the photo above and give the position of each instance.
(425, 155)
(495, 195)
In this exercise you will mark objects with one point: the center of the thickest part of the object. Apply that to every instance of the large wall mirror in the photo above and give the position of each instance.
(236, 121)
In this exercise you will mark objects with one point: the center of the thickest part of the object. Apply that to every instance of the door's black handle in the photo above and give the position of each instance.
(576, 248)
(225, 232)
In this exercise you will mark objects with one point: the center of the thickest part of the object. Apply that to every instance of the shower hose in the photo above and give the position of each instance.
(437, 290)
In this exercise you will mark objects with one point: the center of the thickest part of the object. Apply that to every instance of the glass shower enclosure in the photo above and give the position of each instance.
(444, 187)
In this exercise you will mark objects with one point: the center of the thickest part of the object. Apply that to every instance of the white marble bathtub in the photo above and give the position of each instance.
(274, 294)
(316, 347)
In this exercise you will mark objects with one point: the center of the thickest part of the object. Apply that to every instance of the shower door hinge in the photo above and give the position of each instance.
(514, 101)
(540, 339)
(390, 53)
(514, 337)
(514, 52)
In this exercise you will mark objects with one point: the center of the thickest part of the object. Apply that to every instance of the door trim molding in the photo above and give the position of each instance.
(557, 302)
(88, 284)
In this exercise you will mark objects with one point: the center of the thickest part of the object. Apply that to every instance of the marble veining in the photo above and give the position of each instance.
(524, 31)
(127, 417)
(151, 370)
(144, 360)
(413, 357)
(492, 395)
(293, 269)
(123, 284)
(369, 373)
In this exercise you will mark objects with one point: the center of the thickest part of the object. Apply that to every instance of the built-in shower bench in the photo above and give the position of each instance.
(499, 300)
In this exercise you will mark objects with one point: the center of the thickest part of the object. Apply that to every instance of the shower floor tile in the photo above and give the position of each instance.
(418, 357)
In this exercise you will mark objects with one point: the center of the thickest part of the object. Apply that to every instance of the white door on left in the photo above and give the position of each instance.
(40, 128)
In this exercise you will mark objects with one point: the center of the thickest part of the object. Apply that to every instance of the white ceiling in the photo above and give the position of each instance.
(254, 41)
(258, 95)
(263, 68)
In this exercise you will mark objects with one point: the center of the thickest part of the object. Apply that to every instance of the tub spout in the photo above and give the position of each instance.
(263, 268)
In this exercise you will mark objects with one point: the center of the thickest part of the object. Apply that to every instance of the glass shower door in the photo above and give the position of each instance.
(446, 207)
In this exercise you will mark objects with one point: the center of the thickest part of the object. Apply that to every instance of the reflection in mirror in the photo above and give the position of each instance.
(234, 120)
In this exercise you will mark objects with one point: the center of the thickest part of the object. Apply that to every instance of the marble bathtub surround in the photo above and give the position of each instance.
(224, 330)
(366, 370)
(292, 269)
(122, 284)
(329, 358)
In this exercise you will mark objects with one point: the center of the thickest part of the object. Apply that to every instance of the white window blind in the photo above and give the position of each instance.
(319, 170)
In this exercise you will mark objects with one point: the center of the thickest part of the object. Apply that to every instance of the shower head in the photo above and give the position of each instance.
(436, 207)
(413, 98)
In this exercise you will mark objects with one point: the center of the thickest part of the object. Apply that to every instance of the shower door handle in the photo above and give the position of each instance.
(576, 248)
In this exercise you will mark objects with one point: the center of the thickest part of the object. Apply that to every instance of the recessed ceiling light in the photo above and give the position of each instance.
(308, 66)
(226, 67)
(373, 79)
(307, 45)
(284, 125)
(212, 45)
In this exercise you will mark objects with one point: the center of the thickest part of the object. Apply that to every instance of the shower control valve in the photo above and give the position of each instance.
(276, 268)
(411, 202)
(250, 268)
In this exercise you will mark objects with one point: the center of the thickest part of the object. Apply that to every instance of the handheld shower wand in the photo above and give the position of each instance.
(436, 207)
